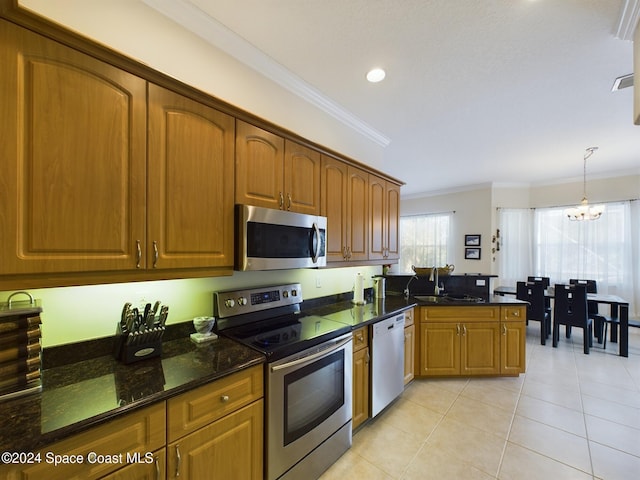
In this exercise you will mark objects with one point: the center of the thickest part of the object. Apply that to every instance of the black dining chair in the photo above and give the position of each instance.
(570, 309)
(545, 281)
(600, 322)
(533, 293)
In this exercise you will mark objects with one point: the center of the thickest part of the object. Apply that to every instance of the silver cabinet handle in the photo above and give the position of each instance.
(138, 254)
(464, 330)
(179, 461)
(281, 200)
(155, 254)
(288, 201)
(504, 329)
(458, 329)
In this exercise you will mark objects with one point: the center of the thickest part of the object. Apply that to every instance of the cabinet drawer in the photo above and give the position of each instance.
(460, 314)
(514, 313)
(142, 432)
(197, 408)
(408, 317)
(360, 338)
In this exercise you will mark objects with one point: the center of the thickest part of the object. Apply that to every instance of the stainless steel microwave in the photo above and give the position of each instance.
(268, 239)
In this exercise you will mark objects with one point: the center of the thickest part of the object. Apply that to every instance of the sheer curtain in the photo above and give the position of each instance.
(600, 250)
(516, 252)
(544, 242)
(424, 241)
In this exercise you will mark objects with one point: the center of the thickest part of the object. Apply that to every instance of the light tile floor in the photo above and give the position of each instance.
(571, 416)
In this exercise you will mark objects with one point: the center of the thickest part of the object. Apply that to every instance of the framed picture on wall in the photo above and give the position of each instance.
(472, 253)
(472, 240)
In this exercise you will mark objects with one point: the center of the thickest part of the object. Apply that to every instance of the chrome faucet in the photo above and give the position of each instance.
(434, 278)
(406, 289)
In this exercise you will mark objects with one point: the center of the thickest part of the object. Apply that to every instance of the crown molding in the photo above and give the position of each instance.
(186, 14)
(629, 19)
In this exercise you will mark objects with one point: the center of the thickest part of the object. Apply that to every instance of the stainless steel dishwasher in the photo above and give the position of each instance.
(387, 362)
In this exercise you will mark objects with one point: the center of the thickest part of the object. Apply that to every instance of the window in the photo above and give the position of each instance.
(603, 250)
(424, 241)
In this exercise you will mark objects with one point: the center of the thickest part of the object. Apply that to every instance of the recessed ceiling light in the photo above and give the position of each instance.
(376, 75)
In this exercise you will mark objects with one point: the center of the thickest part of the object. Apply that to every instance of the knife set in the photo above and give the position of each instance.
(20, 359)
(139, 335)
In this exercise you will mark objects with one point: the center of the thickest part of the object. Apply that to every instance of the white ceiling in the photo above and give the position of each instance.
(477, 91)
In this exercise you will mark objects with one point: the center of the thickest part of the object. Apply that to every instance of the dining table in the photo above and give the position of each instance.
(619, 313)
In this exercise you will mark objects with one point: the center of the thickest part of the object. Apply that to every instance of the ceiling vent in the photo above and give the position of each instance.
(622, 82)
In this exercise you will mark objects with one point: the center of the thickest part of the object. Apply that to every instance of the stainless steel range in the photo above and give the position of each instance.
(307, 376)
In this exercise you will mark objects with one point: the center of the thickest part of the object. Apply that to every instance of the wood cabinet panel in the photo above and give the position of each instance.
(409, 353)
(360, 338)
(156, 470)
(228, 448)
(471, 340)
(358, 204)
(334, 184)
(480, 348)
(192, 410)
(361, 405)
(384, 215)
(259, 167)
(301, 179)
(190, 183)
(72, 189)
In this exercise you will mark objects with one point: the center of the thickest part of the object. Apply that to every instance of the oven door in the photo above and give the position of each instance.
(308, 400)
(271, 239)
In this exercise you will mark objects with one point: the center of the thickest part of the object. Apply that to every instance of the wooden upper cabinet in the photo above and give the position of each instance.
(73, 154)
(384, 215)
(259, 167)
(276, 173)
(335, 183)
(344, 197)
(301, 179)
(190, 183)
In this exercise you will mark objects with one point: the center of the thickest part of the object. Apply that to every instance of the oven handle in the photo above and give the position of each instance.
(316, 234)
(309, 358)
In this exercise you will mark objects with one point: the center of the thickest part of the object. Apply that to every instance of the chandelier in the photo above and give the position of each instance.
(584, 211)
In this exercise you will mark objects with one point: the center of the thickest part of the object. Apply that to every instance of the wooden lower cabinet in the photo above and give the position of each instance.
(360, 378)
(228, 448)
(465, 341)
(155, 469)
(409, 346)
(214, 431)
(139, 432)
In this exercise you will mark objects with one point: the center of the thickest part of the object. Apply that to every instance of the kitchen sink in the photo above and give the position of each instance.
(448, 298)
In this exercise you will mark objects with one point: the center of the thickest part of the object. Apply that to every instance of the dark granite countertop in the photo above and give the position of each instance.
(81, 395)
(360, 315)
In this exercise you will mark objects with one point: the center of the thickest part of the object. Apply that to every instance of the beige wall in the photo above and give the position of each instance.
(476, 208)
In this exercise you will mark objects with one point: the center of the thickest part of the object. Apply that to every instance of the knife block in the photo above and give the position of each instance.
(130, 347)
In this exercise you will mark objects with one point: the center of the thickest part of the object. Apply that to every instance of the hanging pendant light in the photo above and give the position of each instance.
(584, 211)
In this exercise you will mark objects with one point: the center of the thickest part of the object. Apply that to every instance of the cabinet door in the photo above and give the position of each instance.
(228, 448)
(409, 353)
(358, 205)
(439, 349)
(190, 183)
(480, 348)
(259, 167)
(512, 347)
(392, 219)
(334, 184)
(156, 469)
(73, 153)
(377, 212)
(301, 179)
(360, 397)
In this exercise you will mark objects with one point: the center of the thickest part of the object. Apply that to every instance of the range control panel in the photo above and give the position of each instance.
(237, 302)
